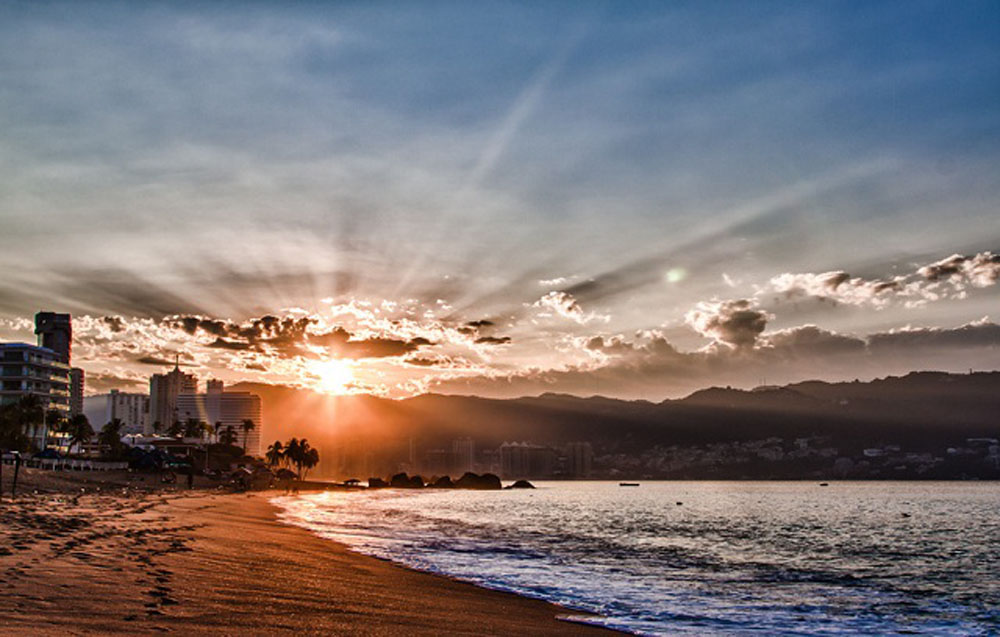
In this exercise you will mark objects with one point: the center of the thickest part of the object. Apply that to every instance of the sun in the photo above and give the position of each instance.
(335, 376)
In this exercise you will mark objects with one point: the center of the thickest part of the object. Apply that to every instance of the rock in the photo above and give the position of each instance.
(400, 481)
(444, 482)
(521, 484)
(485, 482)
(377, 483)
(416, 482)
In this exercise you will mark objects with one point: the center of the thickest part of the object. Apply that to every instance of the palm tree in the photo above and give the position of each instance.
(247, 426)
(228, 436)
(218, 429)
(79, 430)
(309, 460)
(29, 414)
(176, 429)
(274, 454)
(292, 452)
(55, 420)
(12, 435)
(111, 437)
(302, 455)
(194, 428)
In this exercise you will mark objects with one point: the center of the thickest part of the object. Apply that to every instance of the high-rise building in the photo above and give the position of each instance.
(463, 455)
(163, 392)
(55, 332)
(228, 408)
(526, 460)
(131, 409)
(28, 370)
(579, 459)
(76, 386)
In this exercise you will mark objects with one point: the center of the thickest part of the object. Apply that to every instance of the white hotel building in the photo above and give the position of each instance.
(228, 407)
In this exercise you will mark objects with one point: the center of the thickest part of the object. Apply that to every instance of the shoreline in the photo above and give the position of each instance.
(132, 559)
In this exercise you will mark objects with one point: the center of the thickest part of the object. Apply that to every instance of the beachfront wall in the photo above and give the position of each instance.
(67, 464)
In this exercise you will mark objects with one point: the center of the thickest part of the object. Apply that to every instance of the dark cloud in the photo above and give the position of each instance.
(982, 269)
(481, 323)
(651, 366)
(735, 323)
(980, 334)
(115, 323)
(289, 336)
(493, 340)
(810, 340)
(100, 383)
(156, 360)
(222, 343)
(422, 361)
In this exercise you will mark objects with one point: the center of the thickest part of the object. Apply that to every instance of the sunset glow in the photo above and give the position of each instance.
(335, 376)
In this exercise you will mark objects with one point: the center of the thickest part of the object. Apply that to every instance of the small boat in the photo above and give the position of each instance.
(628, 484)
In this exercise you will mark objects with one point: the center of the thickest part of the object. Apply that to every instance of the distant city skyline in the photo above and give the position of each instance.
(629, 200)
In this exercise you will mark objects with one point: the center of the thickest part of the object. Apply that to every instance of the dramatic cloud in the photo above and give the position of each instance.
(648, 365)
(493, 340)
(980, 270)
(293, 336)
(948, 278)
(734, 323)
(565, 305)
(810, 340)
(978, 334)
(838, 286)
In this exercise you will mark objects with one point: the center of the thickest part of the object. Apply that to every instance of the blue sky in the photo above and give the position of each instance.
(464, 162)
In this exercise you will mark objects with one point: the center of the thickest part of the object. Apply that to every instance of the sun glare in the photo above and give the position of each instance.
(335, 376)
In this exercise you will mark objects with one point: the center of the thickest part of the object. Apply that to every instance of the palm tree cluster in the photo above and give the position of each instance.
(224, 434)
(110, 439)
(294, 453)
(15, 420)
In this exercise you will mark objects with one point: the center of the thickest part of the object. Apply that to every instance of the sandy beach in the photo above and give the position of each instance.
(85, 555)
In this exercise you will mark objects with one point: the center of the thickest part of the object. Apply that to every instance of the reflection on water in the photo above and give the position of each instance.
(702, 557)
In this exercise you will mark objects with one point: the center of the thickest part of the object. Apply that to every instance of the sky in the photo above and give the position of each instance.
(504, 199)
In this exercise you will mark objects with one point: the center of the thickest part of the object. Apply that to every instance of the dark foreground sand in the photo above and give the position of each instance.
(131, 559)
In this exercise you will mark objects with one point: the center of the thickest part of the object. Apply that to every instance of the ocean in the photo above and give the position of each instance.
(722, 558)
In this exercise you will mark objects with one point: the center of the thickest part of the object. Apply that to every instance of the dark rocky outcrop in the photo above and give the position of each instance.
(377, 483)
(404, 481)
(485, 482)
(521, 484)
(444, 482)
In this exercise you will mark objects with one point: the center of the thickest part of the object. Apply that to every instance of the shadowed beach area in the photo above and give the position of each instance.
(79, 556)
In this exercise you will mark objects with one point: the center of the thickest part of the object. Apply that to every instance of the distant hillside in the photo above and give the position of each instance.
(922, 411)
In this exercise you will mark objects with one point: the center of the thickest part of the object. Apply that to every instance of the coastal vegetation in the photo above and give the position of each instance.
(294, 453)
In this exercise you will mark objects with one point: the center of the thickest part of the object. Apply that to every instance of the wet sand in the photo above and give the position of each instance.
(134, 559)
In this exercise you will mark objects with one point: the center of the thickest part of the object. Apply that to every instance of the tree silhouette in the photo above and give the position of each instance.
(12, 432)
(228, 436)
(176, 429)
(110, 438)
(55, 420)
(247, 426)
(302, 455)
(275, 454)
(28, 413)
(79, 430)
(194, 428)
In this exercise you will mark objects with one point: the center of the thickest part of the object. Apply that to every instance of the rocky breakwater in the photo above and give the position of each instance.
(469, 480)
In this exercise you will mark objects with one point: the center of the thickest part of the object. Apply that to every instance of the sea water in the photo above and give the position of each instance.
(663, 558)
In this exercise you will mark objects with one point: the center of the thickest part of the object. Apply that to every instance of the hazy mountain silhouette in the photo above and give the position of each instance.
(921, 411)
